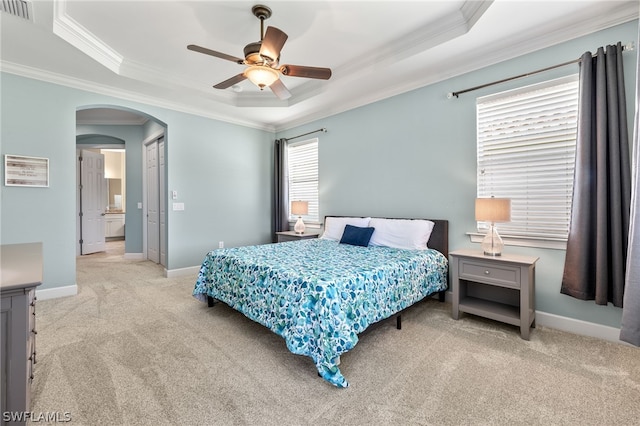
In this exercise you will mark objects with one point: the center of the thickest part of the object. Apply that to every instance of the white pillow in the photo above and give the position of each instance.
(334, 226)
(401, 233)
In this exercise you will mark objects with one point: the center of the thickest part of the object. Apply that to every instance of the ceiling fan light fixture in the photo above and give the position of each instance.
(262, 59)
(261, 76)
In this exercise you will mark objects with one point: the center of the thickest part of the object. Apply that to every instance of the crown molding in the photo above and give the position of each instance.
(92, 87)
(446, 28)
(75, 34)
(144, 73)
(402, 48)
(473, 10)
(491, 55)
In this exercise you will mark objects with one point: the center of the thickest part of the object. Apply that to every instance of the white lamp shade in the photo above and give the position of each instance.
(493, 209)
(261, 76)
(299, 207)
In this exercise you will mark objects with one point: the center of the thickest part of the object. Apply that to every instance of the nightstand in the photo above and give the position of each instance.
(501, 288)
(293, 236)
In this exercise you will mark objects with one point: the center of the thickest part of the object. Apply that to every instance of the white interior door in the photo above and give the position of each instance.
(162, 202)
(93, 189)
(153, 204)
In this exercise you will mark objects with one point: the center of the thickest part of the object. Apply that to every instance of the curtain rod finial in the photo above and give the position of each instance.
(449, 95)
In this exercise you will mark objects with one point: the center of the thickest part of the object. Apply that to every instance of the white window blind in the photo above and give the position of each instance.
(302, 166)
(526, 152)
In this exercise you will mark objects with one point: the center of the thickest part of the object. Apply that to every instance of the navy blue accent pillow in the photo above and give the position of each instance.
(356, 235)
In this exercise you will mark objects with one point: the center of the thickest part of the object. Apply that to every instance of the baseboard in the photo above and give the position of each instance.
(575, 326)
(181, 272)
(56, 292)
(134, 256)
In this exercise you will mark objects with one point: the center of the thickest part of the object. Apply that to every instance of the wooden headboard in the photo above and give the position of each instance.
(439, 239)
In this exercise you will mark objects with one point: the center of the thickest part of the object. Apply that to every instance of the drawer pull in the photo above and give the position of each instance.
(486, 272)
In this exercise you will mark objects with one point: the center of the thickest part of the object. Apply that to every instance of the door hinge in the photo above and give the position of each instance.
(81, 241)
(80, 214)
(80, 158)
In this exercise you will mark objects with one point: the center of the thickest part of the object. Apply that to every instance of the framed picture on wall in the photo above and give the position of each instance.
(26, 171)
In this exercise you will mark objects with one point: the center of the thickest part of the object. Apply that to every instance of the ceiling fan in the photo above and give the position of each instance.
(262, 60)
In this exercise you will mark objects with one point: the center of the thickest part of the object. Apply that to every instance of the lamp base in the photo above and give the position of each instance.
(299, 226)
(492, 244)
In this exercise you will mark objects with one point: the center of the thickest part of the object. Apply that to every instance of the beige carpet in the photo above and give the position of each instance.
(135, 348)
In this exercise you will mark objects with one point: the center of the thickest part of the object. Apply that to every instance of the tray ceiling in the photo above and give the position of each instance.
(137, 49)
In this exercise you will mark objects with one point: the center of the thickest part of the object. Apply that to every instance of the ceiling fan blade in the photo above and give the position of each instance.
(280, 90)
(307, 72)
(206, 51)
(272, 43)
(231, 81)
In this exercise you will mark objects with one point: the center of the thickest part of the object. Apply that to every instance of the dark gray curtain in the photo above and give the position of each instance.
(598, 235)
(280, 192)
(630, 327)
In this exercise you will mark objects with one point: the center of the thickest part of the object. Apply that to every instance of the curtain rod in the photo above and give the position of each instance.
(324, 130)
(628, 46)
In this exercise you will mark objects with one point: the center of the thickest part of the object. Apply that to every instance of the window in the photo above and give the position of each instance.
(526, 152)
(302, 166)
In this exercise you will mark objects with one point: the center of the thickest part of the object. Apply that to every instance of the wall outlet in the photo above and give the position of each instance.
(178, 206)
(220, 244)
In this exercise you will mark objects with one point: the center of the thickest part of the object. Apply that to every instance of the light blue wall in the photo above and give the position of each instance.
(38, 121)
(231, 158)
(414, 155)
(222, 172)
(93, 139)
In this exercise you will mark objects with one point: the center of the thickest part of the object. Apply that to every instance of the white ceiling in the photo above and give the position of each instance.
(137, 49)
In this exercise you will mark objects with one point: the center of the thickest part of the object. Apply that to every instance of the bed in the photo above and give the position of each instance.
(320, 294)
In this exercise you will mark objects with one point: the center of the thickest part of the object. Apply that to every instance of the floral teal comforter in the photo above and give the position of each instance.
(319, 294)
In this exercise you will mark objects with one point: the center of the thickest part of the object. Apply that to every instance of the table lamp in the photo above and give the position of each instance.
(299, 208)
(493, 210)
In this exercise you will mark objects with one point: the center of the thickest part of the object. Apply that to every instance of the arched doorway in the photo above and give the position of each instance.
(107, 127)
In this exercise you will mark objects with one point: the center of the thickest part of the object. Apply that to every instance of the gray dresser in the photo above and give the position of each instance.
(20, 274)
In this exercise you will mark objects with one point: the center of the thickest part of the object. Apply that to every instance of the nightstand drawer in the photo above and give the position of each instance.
(293, 236)
(502, 275)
